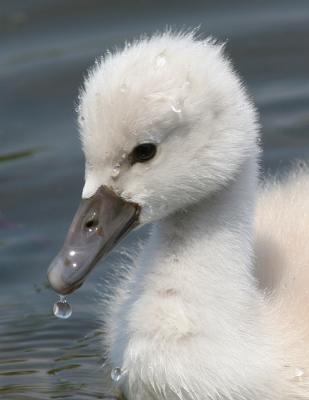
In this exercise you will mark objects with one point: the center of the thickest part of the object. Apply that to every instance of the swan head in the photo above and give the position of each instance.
(164, 123)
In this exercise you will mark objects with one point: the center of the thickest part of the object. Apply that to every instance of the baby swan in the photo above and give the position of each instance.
(170, 138)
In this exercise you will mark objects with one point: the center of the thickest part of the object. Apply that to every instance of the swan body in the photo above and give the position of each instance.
(215, 307)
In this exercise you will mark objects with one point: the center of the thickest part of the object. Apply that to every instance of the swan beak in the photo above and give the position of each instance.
(98, 225)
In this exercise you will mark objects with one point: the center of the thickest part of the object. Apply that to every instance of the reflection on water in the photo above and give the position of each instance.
(46, 47)
(45, 358)
(17, 154)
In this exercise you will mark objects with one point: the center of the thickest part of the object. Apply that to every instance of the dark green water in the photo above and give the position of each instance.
(45, 48)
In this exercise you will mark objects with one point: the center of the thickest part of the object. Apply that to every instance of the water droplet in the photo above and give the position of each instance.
(160, 60)
(176, 108)
(116, 374)
(123, 88)
(299, 373)
(62, 309)
(116, 170)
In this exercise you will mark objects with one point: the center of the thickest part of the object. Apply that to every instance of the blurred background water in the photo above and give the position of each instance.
(46, 47)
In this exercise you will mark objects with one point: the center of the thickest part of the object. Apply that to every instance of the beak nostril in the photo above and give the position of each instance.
(91, 223)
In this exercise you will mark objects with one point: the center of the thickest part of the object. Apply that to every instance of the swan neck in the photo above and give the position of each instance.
(228, 214)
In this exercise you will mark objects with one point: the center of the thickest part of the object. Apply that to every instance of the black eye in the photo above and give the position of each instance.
(143, 152)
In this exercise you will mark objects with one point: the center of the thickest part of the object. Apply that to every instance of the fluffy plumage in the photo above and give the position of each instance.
(215, 306)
